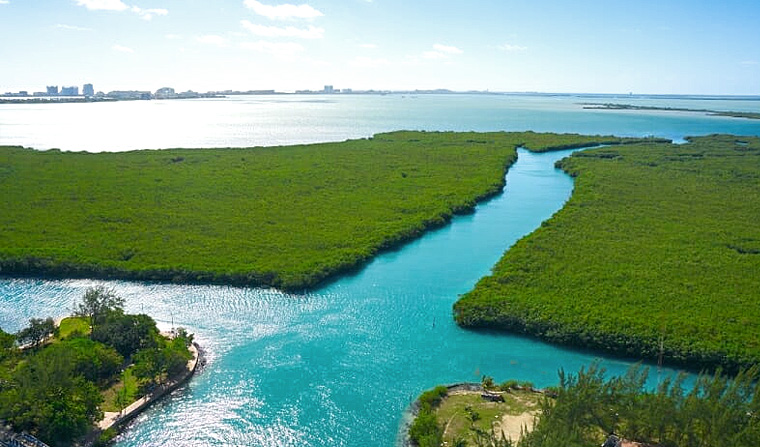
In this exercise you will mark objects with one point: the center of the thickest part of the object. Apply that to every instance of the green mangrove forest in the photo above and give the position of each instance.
(288, 217)
(655, 256)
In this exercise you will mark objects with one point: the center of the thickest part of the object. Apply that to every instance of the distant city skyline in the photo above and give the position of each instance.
(586, 46)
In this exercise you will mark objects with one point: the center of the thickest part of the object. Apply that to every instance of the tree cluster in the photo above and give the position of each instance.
(717, 411)
(53, 388)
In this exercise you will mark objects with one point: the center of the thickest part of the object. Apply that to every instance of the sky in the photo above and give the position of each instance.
(573, 46)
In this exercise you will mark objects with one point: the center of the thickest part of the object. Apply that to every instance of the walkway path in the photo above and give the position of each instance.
(116, 419)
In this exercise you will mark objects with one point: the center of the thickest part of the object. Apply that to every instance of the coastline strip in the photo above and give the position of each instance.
(118, 420)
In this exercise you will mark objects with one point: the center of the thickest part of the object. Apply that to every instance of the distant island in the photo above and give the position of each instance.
(613, 106)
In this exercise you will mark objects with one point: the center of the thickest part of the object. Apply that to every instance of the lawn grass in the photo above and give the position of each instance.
(73, 325)
(128, 381)
(658, 250)
(289, 217)
(455, 413)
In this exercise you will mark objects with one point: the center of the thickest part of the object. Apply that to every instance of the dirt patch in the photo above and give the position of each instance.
(513, 426)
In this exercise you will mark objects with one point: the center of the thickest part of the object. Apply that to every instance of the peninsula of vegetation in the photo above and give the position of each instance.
(587, 407)
(288, 217)
(58, 382)
(613, 106)
(656, 255)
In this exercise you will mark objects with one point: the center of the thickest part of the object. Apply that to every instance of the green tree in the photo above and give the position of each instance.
(425, 431)
(719, 411)
(127, 333)
(97, 303)
(37, 331)
(123, 398)
(185, 336)
(48, 399)
(155, 365)
(94, 361)
(177, 355)
(150, 365)
(7, 344)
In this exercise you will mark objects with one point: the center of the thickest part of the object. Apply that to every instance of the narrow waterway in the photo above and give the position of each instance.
(337, 367)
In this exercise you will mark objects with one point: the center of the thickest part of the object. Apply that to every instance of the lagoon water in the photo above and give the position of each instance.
(243, 121)
(337, 367)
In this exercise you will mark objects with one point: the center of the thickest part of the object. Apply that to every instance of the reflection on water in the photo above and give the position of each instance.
(336, 367)
(244, 121)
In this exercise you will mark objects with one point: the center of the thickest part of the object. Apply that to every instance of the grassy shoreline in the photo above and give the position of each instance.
(656, 253)
(716, 411)
(289, 217)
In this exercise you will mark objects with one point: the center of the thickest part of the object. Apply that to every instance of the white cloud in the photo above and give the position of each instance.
(749, 63)
(118, 5)
(511, 48)
(370, 46)
(173, 36)
(284, 50)
(4, 2)
(283, 12)
(108, 5)
(441, 52)
(147, 14)
(446, 49)
(369, 62)
(213, 40)
(311, 32)
(72, 28)
(122, 49)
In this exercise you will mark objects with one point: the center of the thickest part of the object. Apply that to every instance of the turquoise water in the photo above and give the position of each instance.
(339, 366)
(336, 367)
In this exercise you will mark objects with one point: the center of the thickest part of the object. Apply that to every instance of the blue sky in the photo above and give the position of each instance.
(642, 46)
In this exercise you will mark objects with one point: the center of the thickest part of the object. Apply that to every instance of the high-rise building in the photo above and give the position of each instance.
(52, 90)
(329, 89)
(87, 90)
(70, 91)
(165, 93)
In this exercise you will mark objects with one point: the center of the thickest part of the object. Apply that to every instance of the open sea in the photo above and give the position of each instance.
(244, 121)
(339, 366)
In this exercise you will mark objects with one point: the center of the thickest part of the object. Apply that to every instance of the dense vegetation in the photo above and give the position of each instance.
(56, 386)
(425, 430)
(288, 217)
(657, 252)
(717, 411)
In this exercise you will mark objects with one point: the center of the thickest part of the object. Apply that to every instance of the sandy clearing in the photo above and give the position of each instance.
(512, 425)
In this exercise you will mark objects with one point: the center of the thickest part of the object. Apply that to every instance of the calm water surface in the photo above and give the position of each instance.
(244, 121)
(337, 367)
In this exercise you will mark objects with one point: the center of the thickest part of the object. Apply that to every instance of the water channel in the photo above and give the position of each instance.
(336, 367)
